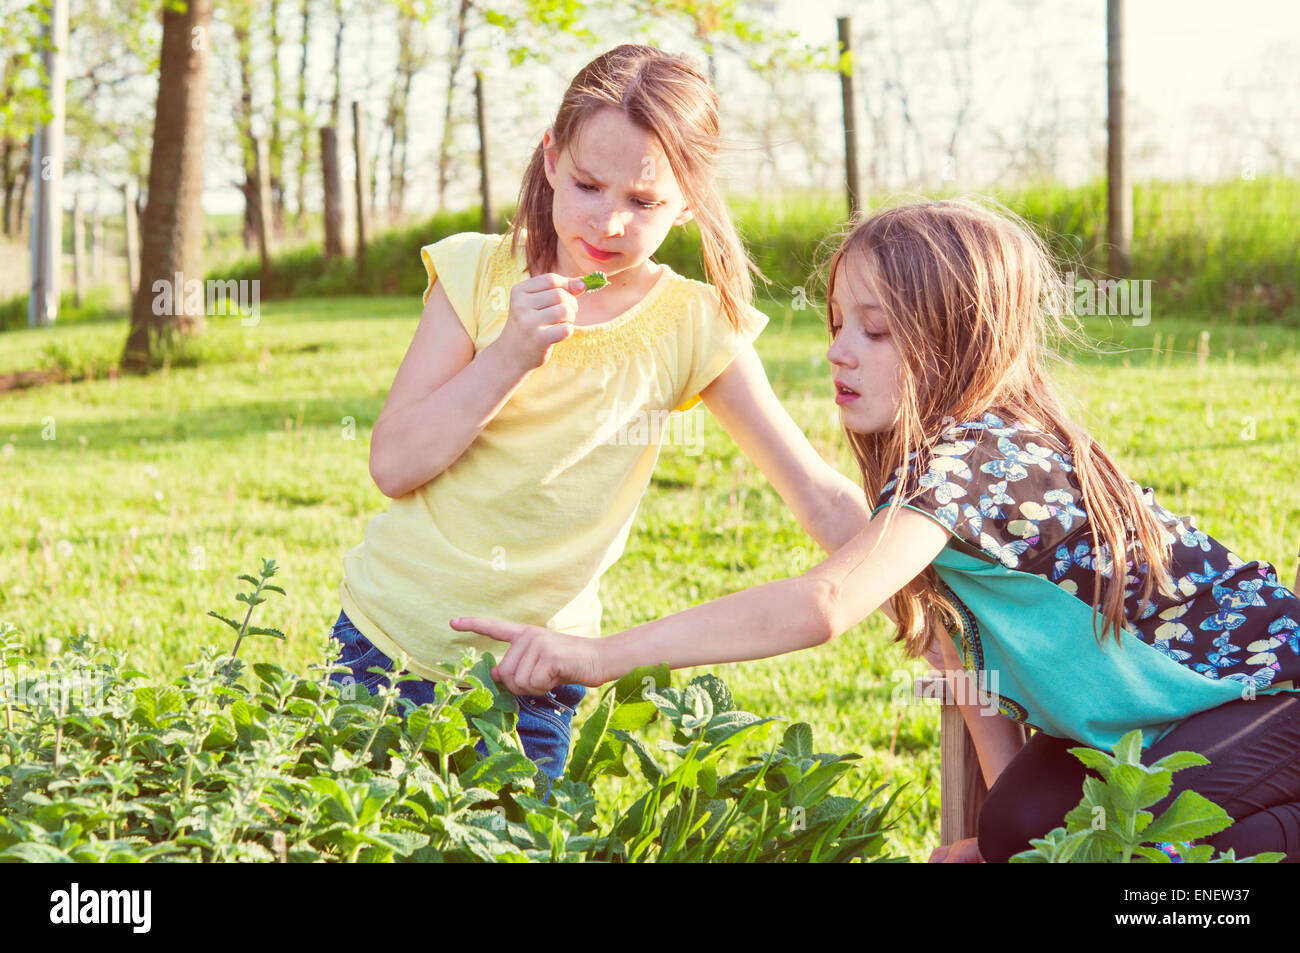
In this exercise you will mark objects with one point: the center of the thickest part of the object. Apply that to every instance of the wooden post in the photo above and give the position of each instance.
(263, 210)
(1119, 193)
(47, 177)
(132, 238)
(488, 218)
(363, 179)
(332, 180)
(961, 779)
(852, 183)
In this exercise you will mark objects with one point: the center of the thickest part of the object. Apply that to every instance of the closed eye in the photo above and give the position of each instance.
(588, 187)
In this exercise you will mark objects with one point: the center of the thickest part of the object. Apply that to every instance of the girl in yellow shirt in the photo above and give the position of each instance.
(524, 423)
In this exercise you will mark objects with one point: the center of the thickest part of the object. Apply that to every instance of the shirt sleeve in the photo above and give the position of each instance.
(456, 263)
(1001, 488)
(715, 347)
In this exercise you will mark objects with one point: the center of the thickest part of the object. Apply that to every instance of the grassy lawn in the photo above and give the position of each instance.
(131, 505)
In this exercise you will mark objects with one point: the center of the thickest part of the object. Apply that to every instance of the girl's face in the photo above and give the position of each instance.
(615, 197)
(864, 361)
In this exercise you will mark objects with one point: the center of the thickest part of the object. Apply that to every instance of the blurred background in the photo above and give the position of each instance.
(147, 458)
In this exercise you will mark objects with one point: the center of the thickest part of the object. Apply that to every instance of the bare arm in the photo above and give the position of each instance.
(996, 737)
(767, 620)
(444, 395)
(828, 505)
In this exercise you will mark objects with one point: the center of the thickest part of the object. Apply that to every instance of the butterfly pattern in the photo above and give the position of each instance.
(1010, 491)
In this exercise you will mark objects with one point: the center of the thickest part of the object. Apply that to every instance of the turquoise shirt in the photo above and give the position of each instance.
(1019, 567)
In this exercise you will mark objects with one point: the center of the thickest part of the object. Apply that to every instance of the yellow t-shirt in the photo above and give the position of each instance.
(525, 522)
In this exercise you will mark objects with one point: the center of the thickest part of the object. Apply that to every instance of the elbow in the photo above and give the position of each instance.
(822, 620)
(380, 476)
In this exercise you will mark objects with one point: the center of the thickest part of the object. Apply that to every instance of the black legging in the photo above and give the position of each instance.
(1253, 774)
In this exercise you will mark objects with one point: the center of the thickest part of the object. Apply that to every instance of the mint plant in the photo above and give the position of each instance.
(595, 280)
(99, 762)
(1111, 825)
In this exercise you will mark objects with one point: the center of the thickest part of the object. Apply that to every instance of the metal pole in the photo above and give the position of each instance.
(47, 173)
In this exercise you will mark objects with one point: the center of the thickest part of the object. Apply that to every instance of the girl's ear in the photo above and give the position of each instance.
(550, 156)
(685, 216)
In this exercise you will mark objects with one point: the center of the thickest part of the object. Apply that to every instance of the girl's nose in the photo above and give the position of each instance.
(837, 354)
(609, 222)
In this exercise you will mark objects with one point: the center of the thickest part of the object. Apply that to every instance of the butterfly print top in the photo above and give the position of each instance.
(1008, 495)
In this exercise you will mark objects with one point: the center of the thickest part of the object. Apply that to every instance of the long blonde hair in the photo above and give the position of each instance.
(974, 304)
(668, 96)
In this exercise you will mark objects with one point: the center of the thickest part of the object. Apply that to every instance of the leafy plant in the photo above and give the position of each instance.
(225, 763)
(1111, 824)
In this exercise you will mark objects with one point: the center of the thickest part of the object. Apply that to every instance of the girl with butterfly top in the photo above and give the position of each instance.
(1083, 607)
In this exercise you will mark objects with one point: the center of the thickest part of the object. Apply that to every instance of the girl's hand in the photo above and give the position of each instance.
(962, 852)
(542, 314)
(538, 659)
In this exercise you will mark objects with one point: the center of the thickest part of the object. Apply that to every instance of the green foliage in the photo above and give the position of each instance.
(223, 764)
(595, 280)
(1111, 825)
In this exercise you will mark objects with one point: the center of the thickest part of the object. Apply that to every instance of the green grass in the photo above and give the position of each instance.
(134, 518)
(1223, 249)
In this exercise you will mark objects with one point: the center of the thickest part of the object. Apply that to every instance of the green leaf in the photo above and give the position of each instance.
(650, 768)
(1179, 760)
(1098, 761)
(1128, 749)
(589, 738)
(595, 280)
(230, 622)
(717, 691)
(641, 681)
(31, 853)
(798, 740)
(446, 734)
(631, 716)
(497, 770)
(262, 630)
(1153, 854)
(1134, 786)
(1189, 817)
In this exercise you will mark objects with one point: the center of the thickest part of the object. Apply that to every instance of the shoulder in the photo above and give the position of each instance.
(1003, 487)
(705, 305)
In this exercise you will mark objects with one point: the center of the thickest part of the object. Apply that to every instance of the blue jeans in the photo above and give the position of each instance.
(545, 721)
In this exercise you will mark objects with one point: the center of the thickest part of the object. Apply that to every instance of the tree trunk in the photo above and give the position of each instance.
(10, 181)
(487, 218)
(336, 102)
(131, 225)
(172, 232)
(852, 183)
(444, 149)
(332, 181)
(363, 179)
(304, 127)
(276, 144)
(263, 205)
(78, 250)
(244, 123)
